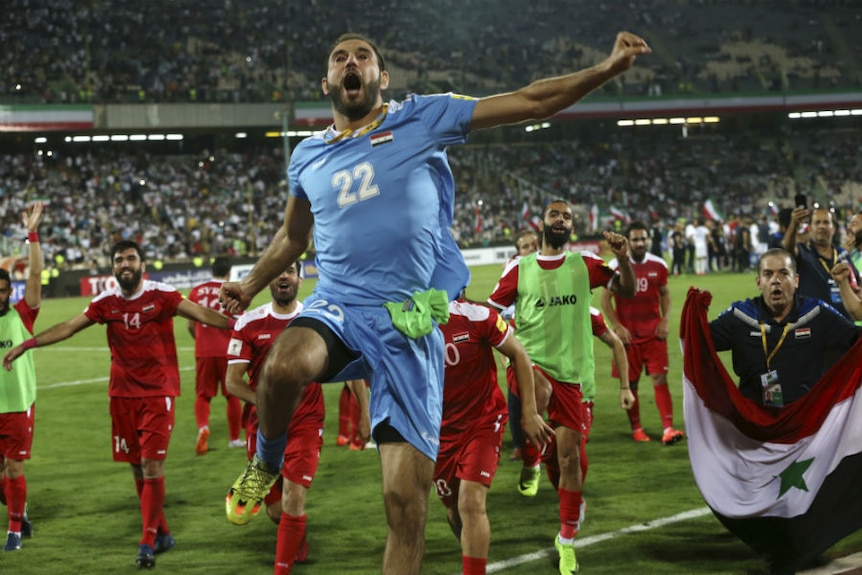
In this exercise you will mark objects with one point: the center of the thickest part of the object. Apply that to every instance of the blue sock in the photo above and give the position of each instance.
(271, 451)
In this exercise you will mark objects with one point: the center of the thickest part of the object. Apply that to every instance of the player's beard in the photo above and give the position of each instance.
(554, 239)
(857, 236)
(356, 110)
(4, 308)
(283, 299)
(129, 284)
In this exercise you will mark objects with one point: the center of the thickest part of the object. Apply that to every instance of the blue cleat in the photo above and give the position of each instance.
(146, 558)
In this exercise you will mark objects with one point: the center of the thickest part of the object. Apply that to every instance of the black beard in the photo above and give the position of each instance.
(282, 300)
(358, 110)
(554, 240)
(4, 308)
(858, 237)
(129, 284)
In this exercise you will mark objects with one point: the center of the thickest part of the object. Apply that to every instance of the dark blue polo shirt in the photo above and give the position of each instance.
(817, 337)
(815, 275)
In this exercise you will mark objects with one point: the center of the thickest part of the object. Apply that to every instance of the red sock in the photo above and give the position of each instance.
(202, 411)
(474, 565)
(234, 417)
(635, 412)
(665, 405)
(152, 512)
(344, 411)
(530, 454)
(291, 531)
(163, 524)
(570, 512)
(16, 499)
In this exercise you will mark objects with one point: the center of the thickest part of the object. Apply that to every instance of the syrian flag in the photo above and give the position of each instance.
(594, 218)
(653, 212)
(710, 210)
(477, 222)
(785, 481)
(525, 212)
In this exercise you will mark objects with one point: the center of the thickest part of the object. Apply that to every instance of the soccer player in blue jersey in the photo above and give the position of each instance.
(377, 189)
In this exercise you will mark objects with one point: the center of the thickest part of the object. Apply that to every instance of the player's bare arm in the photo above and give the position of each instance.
(289, 243)
(546, 97)
(534, 426)
(33, 286)
(237, 385)
(626, 282)
(663, 328)
(53, 334)
(192, 311)
(360, 392)
(611, 315)
(618, 351)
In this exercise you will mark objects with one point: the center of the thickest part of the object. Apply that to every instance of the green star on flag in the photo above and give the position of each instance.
(792, 476)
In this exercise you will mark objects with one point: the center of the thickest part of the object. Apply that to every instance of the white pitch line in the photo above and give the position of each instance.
(546, 553)
(83, 381)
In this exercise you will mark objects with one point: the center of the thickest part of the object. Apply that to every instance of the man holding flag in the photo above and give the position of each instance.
(775, 459)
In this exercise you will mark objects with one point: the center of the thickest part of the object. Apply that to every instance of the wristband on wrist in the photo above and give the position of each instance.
(33, 237)
(29, 344)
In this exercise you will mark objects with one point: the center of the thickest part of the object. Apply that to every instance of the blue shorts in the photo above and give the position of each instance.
(405, 375)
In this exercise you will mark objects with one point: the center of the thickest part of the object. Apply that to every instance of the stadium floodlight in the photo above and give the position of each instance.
(856, 112)
(240, 135)
(119, 138)
(842, 112)
(643, 122)
(809, 114)
(40, 140)
(80, 138)
(660, 122)
(825, 114)
(138, 137)
(156, 137)
(677, 120)
(101, 138)
(174, 137)
(625, 123)
(711, 120)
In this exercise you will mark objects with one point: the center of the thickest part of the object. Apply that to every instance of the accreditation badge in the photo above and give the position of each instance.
(771, 389)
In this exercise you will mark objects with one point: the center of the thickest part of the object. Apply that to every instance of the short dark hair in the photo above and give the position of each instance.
(220, 266)
(557, 201)
(636, 225)
(780, 252)
(354, 36)
(124, 245)
(5, 276)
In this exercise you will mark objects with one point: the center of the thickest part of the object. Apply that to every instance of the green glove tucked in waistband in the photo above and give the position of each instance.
(413, 317)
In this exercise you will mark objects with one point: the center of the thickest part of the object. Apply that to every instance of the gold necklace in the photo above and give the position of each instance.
(348, 133)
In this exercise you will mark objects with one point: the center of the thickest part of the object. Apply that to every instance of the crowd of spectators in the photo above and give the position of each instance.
(263, 50)
(186, 205)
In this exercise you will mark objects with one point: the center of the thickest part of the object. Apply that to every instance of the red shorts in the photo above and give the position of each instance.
(16, 433)
(210, 375)
(141, 427)
(472, 456)
(565, 406)
(651, 354)
(302, 453)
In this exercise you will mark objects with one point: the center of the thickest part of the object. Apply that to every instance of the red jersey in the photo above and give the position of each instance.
(598, 322)
(506, 291)
(253, 335)
(641, 314)
(141, 339)
(209, 341)
(470, 389)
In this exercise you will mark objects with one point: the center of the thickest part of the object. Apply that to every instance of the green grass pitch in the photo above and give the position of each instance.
(86, 518)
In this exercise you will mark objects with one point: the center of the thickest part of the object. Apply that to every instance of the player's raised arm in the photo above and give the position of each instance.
(289, 243)
(53, 334)
(544, 98)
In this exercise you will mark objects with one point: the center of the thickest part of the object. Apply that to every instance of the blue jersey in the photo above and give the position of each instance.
(383, 202)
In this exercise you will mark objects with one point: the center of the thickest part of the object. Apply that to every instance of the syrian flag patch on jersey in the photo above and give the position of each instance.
(382, 138)
(460, 337)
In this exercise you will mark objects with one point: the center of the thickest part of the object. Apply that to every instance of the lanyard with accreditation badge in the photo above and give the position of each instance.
(770, 386)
